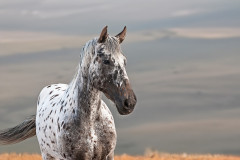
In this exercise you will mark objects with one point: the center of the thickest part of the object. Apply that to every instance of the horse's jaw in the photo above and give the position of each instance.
(125, 103)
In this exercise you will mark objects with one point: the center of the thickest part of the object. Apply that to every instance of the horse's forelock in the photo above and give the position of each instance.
(112, 44)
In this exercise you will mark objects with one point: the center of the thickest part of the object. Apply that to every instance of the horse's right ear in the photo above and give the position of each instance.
(103, 35)
(121, 36)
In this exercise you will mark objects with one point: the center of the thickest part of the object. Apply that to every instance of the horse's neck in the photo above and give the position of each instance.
(86, 96)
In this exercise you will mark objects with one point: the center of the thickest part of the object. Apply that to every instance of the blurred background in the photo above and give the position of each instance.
(183, 63)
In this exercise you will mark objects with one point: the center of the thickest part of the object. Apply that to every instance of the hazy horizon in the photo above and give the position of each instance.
(183, 64)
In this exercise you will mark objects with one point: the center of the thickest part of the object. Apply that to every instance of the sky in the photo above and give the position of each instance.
(183, 64)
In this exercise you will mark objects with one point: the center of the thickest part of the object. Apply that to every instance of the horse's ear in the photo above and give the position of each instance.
(103, 35)
(121, 36)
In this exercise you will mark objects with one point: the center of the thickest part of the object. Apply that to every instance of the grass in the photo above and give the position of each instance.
(153, 155)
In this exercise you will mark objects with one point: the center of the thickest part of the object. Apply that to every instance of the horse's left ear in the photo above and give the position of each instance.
(121, 36)
(103, 35)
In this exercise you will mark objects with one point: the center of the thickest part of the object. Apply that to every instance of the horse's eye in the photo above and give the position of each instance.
(106, 62)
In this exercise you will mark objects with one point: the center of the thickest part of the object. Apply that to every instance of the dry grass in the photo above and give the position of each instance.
(14, 156)
(165, 156)
(147, 156)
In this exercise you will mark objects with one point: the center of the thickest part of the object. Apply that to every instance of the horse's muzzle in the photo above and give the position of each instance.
(127, 101)
(124, 97)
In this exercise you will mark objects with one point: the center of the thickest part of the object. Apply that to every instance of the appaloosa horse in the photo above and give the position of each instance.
(72, 122)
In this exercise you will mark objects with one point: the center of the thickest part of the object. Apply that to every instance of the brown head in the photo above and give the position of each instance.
(108, 70)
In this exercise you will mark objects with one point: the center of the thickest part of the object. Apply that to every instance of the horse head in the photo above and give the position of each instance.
(108, 70)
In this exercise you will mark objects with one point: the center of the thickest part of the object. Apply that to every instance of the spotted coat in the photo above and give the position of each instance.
(72, 121)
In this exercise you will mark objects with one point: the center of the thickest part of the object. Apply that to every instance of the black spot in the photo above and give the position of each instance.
(64, 126)
(100, 50)
(98, 118)
(48, 86)
(54, 96)
(107, 62)
(51, 92)
(61, 108)
(115, 75)
(96, 59)
(45, 128)
(101, 55)
(95, 154)
(121, 71)
(113, 60)
(38, 101)
(73, 111)
(68, 128)
(125, 62)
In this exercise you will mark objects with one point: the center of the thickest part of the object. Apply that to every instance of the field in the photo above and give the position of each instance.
(147, 156)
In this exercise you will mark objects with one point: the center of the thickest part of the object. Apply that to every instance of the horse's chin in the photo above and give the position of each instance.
(122, 110)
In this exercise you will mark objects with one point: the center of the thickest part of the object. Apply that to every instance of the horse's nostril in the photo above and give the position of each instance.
(126, 103)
